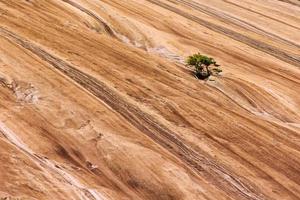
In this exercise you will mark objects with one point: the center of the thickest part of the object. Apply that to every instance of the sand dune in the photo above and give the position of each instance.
(96, 102)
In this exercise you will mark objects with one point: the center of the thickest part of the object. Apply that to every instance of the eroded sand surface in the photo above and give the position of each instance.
(97, 104)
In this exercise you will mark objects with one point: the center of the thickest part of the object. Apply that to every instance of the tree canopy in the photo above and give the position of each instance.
(202, 65)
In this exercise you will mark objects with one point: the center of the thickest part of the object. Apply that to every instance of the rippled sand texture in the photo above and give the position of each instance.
(96, 102)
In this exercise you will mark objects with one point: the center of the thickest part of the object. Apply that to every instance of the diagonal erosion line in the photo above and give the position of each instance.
(259, 45)
(79, 189)
(222, 178)
(260, 13)
(290, 2)
(91, 14)
(234, 20)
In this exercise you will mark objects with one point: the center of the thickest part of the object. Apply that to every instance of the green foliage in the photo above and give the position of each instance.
(202, 65)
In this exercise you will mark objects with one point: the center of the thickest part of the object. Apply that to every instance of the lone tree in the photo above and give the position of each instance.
(202, 65)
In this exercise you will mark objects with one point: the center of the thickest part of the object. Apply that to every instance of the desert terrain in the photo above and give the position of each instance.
(96, 102)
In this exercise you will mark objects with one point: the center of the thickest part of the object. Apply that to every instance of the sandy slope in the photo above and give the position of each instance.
(96, 104)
